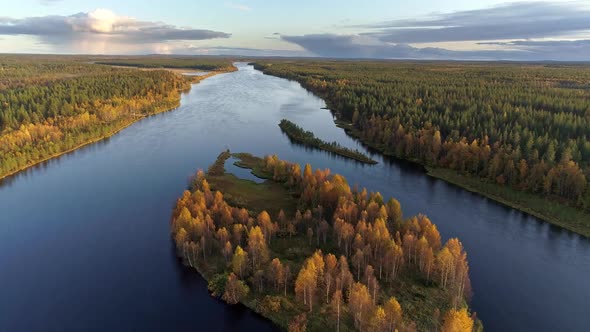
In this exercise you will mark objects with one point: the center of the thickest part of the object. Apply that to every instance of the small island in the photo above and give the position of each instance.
(307, 138)
(310, 253)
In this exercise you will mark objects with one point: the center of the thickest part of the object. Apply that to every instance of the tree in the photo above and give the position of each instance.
(287, 274)
(324, 228)
(239, 262)
(306, 283)
(277, 273)
(444, 266)
(309, 235)
(235, 290)
(457, 321)
(394, 258)
(282, 219)
(357, 260)
(257, 248)
(360, 304)
(258, 280)
(379, 320)
(181, 238)
(227, 251)
(393, 312)
(329, 274)
(298, 324)
(266, 224)
(335, 306)
(394, 212)
(344, 277)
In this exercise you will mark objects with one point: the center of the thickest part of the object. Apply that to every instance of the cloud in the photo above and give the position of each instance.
(514, 31)
(361, 46)
(49, 2)
(237, 6)
(520, 20)
(100, 29)
(242, 51)
(569, 50)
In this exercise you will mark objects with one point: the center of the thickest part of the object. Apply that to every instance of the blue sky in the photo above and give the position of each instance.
(421, 29)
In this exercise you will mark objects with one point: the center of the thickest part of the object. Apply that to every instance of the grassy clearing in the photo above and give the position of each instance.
(256, 197)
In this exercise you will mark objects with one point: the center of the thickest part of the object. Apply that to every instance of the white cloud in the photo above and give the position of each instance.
(101, 31)
(237, 6)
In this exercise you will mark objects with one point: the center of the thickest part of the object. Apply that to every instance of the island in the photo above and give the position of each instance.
(310, 253)
(307, 138)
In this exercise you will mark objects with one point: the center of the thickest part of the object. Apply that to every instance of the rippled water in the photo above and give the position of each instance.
(84, 239)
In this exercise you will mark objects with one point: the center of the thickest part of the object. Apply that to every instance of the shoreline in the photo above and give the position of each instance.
(470, 184)
(581, 219)
(110, 134)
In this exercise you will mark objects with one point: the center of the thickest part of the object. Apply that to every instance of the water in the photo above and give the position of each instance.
(84, 239)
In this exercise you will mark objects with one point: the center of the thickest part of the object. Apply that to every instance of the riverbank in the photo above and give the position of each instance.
(117, 128)
(551, 211)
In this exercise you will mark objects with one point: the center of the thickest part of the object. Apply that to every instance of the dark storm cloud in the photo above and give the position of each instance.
(508, 21)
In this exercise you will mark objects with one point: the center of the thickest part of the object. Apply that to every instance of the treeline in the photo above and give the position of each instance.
(301, 136)
(517, 125)
(363, 253)
(54, 104)
(198, 63)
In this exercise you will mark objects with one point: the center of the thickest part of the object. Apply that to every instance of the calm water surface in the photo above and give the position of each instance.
(84, 239)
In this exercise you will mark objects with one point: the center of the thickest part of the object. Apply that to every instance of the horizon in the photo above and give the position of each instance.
(491, 30)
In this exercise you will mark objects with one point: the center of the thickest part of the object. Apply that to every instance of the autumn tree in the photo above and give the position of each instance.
(277, 273)
(298, 324)
(457, 321)
(235, 290)
(257, 249)
(227, 251)
(240, 262)
(393, 312)
(344, 277)
(307, 283)
(360, 304)
(379, 320)
(336, 307)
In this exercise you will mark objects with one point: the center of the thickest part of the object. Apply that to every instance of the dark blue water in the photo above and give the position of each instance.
(84, 239)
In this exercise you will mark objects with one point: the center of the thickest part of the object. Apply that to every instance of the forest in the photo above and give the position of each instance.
(198, 63)
(522, 130)
(299, 135)
(311, 253)
(53, 104)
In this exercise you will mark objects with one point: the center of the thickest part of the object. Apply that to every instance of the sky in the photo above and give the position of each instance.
(389, 29)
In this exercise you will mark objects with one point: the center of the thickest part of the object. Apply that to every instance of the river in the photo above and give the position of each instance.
(84, 238)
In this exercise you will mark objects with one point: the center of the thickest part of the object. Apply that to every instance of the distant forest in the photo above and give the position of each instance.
(171, 62)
